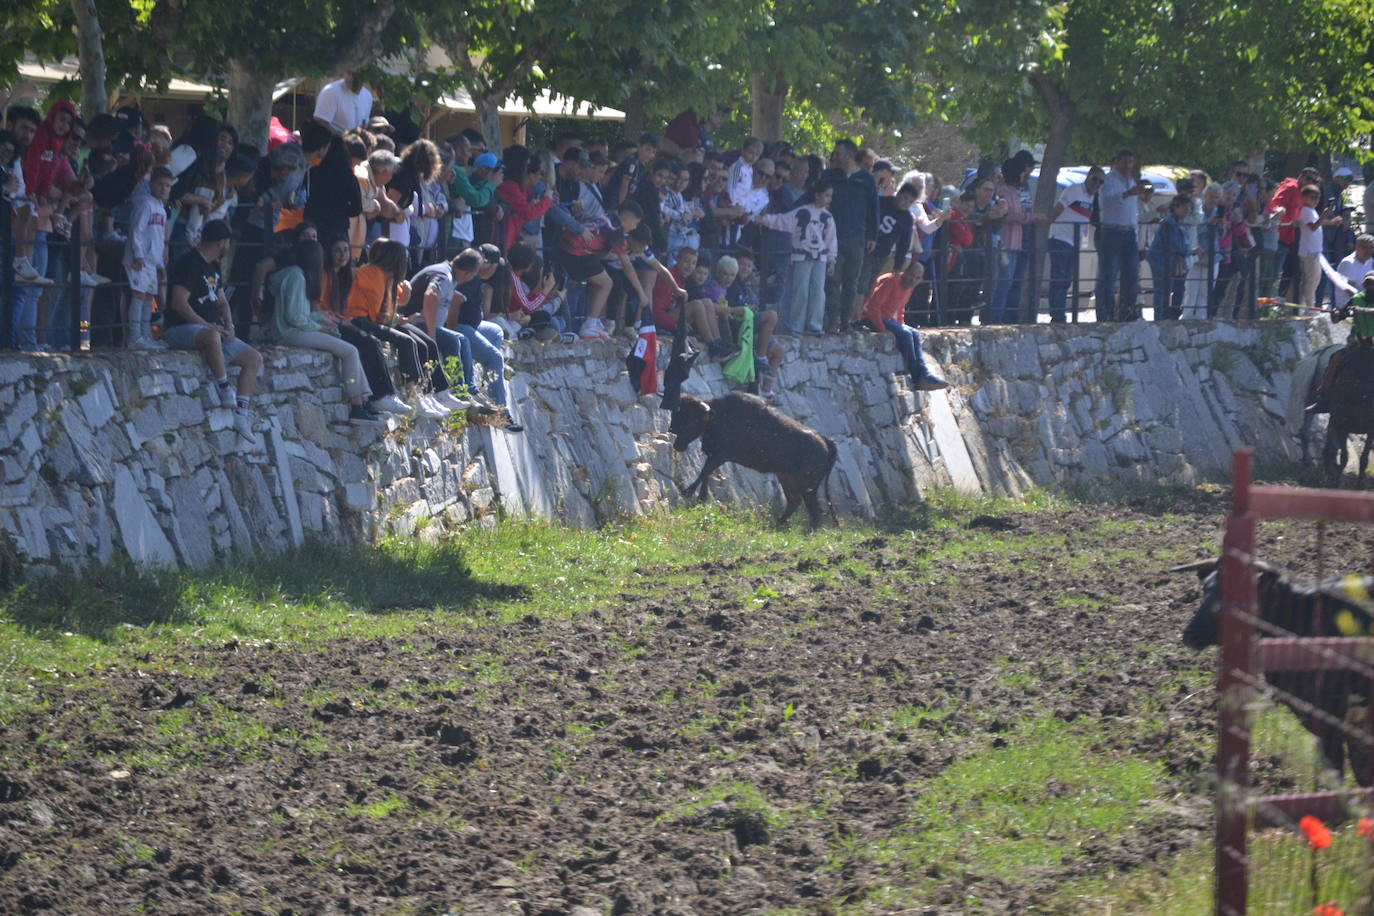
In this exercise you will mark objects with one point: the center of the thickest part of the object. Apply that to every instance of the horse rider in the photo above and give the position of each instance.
(1361, 308)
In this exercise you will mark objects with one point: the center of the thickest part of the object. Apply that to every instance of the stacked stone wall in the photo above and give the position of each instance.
(126, 454)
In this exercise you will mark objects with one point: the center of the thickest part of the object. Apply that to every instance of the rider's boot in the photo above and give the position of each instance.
(1318, 405)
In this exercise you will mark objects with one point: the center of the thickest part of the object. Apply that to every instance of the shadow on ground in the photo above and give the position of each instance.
(387, 579)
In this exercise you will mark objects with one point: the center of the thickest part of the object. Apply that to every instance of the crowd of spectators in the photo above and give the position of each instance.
(335, 238)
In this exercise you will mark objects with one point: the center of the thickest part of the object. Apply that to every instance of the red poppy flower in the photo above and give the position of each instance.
(1315, 831)
(1328, 909)
(1366, 828)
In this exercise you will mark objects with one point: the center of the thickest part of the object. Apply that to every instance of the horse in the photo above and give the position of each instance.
(1307, 376)
(1352, 413)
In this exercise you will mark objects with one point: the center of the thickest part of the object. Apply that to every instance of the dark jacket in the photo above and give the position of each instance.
(855, 206)
(334, 194)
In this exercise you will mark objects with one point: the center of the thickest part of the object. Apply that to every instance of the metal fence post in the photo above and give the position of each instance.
(1074, 270)
(75, 292)
(6, 274)
(939, 264)
(1211, 274)
(991, 270)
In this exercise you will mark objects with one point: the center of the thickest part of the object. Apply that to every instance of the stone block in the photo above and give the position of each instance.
(96, 405)
(142, 537)
(191, 524)
(156, 384)
(20, 416)
(358, 496)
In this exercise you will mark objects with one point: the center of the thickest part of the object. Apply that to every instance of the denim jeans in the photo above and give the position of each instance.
(453, 344)
(844, 285)
(486, 340)
(24, 327)
(1062, 256)
(1166, 288)
(908, 343)
(1118, 262)
(59, 324)
(1006, 280)
(808, 308)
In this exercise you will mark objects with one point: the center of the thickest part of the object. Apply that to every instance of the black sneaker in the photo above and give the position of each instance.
(362, 415)
(510, 424)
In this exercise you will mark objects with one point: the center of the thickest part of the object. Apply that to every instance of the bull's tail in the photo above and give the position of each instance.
(825, 481)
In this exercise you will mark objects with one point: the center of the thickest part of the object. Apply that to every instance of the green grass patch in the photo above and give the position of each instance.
(1015, 811)
(1281, 883)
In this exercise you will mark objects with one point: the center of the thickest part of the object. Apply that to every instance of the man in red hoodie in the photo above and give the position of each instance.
(1284, 205)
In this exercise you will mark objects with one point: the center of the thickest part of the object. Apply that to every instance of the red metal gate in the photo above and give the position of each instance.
(1246, 656)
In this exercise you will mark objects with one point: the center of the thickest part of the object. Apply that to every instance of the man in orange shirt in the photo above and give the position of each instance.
(885, 308)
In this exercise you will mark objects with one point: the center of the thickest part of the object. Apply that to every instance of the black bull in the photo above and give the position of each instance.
(1290, 609)
(742, 428)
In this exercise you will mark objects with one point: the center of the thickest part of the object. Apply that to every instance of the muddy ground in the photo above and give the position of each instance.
(588, 762)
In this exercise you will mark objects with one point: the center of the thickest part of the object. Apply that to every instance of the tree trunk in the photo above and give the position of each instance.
(1063, 117)
(769, 94)
(634, 113)
(250, 101)
(90, 48)
(488, 119)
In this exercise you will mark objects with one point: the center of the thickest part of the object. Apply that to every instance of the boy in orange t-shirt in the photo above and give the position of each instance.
(885, 308)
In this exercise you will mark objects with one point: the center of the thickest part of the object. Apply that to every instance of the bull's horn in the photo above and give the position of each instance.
(1197, 566)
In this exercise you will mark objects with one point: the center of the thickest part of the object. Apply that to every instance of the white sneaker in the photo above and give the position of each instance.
(592, 330)
(450, 400)
(243, 424)
(429, 408)
(393, 404)
(25, 272)
(147, 343)
(89, 279)
(228, 397)
(23, 267)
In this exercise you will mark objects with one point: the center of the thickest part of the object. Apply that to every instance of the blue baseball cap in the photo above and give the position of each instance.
(487, 161)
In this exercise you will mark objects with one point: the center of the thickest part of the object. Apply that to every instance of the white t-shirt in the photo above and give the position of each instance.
(1309, 239)
(1077, 202)
(741, 179)
(1353, 271)
(342, 108)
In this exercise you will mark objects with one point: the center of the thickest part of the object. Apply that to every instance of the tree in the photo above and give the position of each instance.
(91, 55)
(1189, 80)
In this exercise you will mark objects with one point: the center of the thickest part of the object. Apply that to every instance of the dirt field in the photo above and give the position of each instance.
(975, 711)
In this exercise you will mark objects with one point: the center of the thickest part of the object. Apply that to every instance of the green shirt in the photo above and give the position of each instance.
(477, 196)
(292, 312)
(1363, 322)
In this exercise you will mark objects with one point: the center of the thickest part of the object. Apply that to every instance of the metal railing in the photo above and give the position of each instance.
(960, 284)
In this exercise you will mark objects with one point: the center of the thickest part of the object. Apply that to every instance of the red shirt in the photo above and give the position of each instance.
(521, 210)
(1289, 196)
(888, 300)
(663, 301)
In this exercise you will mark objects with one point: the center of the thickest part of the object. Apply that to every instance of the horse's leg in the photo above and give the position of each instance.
(1331, 450)
(1364, 457)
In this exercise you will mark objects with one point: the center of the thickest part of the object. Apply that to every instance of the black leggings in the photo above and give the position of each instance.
(416, 351)
(373, 359)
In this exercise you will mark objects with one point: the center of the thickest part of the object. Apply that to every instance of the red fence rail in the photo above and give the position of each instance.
(1245, 656)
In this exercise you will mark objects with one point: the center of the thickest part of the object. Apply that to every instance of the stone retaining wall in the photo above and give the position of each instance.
(118, 453)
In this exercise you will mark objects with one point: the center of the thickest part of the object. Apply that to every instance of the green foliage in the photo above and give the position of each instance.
(1188, 81)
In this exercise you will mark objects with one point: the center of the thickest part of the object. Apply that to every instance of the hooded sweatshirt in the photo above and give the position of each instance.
(44, 164)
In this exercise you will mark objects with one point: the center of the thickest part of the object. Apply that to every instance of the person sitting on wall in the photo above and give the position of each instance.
(884, 309)
(297, 321)
(198, 318)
